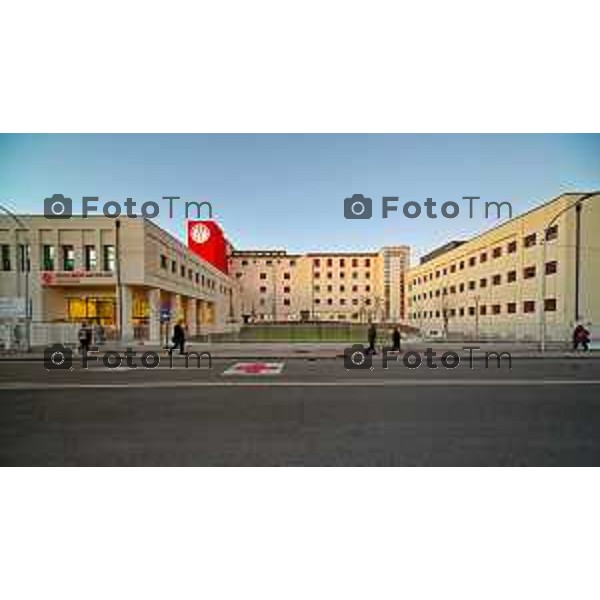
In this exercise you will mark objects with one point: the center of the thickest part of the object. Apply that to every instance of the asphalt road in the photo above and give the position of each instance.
(541, 412)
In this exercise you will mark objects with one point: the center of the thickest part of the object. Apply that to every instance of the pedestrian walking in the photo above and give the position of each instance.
(85, 338)
(372, 337)
(396, 339)
(178, 337)
(581, 336)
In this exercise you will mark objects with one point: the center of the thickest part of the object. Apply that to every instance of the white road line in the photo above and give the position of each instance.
(348, 383)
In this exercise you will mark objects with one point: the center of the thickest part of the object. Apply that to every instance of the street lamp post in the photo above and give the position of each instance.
(26, 266)
(577, 205)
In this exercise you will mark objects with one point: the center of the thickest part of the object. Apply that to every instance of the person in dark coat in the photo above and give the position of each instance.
(178, 337)
(396, 339)
(85, 338)
(372, 337)
(581, 336)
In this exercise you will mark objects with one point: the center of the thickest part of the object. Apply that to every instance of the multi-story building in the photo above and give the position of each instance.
(323, 286)
(539, 271)
(86, 269)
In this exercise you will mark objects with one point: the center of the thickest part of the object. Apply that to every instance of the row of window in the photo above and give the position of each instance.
(65, 260)
(317, 288)
(328, 301)
(269, 262)
(528, 306)
(192, 275)
(341, 262)
(551, 268)
(528, 242)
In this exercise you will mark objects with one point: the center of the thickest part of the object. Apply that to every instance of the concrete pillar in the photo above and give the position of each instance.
(191, 316)
(127, 333)
(154, 302)
(176, 308)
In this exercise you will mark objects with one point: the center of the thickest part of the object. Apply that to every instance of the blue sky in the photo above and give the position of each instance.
(287, 191)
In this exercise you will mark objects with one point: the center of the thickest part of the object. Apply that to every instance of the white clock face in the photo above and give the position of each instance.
(200, 233)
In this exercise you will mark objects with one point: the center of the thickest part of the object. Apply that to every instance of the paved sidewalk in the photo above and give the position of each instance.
(323, 350)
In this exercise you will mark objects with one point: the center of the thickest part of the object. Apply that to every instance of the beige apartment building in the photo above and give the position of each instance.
(321, 286)
(539, 271)
(88, 269)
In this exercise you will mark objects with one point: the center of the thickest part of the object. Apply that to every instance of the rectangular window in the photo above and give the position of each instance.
(286, 301)
(68, 258)
(461, 287)
(286, 275)
(286, 290)
(551, 267)
(471, 311)
(173, 267)
(182, 271)
(461, 265)
(163, 261)
(472, 261)
(483, 282)
(461, 312)
(316, 262)
(495, 309)
(367, 262)
(511, 308)
(529, 306)
(263, 276)
(551, 233)
(529, 240)
(452, 268)
(48, 257)
(91, 258)
(483, 309)
(330, 262)
(108, 258)
(550, 304)
(511, 276)
(471, 285)
(497, 279)
(512, 247)
(483, 257)
(263, 289)
(529, 272)
(5, 257)
(355, 262)
(497, 252)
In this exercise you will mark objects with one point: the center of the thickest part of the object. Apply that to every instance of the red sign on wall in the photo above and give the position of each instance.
(207, 240)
